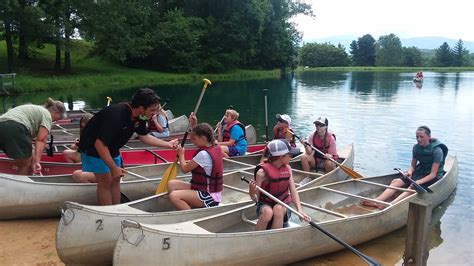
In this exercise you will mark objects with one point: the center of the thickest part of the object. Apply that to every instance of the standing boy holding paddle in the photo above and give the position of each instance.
(107, 132)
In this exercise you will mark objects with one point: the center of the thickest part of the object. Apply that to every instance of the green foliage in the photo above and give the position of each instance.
(366, 52)
(323, 55)
(460, 54)
(443, 56)
(412, 57)
(389, 51)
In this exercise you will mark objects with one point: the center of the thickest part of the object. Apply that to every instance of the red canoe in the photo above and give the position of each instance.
(56, 165)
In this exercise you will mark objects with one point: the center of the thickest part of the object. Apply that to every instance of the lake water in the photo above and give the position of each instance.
(377, 111)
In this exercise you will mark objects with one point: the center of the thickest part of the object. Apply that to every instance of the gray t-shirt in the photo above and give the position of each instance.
(31, 116)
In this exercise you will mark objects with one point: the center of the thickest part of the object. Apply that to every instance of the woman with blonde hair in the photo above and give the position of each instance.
(20, 125)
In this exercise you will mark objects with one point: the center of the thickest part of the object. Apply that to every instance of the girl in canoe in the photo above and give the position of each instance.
(158, 124)
(426, 168)
(206, 168)
(274, 176)
(72, 155)
(231, 135)
(282, 129)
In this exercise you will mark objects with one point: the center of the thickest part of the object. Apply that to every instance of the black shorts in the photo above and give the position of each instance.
(15, 140)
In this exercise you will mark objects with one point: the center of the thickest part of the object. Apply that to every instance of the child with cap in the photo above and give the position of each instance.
(323, 140)
(274, 176)
(280, 130)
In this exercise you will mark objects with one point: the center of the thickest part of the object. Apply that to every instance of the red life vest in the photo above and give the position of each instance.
(213, 183)
(277, 183)
(226, 135)
(278, 133)
(323, 145)
(152, 127)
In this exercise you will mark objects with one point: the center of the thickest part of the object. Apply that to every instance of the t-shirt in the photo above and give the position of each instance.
(31, 116)
(113, 125)
(204, 160)
(163, 123)
(237, 134)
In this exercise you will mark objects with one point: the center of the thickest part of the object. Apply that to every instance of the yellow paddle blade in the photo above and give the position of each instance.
(169, 174)
(350, 172)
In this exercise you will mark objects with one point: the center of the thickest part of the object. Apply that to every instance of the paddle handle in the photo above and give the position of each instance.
(315, 149)
(366, 258)
(417, 186)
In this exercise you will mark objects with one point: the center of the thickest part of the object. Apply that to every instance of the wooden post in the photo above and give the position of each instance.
(417, 237)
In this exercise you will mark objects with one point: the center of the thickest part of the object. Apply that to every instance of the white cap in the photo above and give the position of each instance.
(321, 120)
(285, 118)
(279, 147)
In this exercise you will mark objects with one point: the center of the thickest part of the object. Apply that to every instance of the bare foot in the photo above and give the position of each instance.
(369, 203)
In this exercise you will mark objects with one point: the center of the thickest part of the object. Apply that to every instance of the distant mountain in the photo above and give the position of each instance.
(419, 42)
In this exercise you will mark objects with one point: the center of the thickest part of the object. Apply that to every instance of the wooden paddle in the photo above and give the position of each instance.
(417, 186)
(366, 258)
(346, 169)
(171, 171)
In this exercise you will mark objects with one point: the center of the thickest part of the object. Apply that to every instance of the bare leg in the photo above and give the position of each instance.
(307, 161)
(185, 199)
(83, 177)
(72, 156)
(329, 166)
(278, 212)
(115, 190)
(388, 193)
(266, 214)
(24, 165)
(225, 151)
(104, 191)
(173, 185)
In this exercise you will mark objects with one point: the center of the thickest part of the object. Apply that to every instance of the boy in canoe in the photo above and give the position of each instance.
(231, 135)
(206, 168)
(107, 132)
(274, 176)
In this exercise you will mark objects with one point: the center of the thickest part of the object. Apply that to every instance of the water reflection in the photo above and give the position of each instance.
(441, 80)
(322, 79)
(418, 85)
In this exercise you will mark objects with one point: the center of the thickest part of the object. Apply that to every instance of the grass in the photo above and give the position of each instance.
(94, 72)
(386, 69)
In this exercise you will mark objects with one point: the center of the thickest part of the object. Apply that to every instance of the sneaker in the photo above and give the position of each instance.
(304, 181)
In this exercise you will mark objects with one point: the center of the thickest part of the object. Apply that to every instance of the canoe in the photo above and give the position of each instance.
(43, 196)
(79, 242)
(417, 79)
(230, 238)
(56, 164)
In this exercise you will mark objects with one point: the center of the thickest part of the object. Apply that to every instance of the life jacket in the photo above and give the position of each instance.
(226, 135)
(425, 158)
(323, 145)
(152, 127)
(213, 183)
(279, 133)
(277, 183)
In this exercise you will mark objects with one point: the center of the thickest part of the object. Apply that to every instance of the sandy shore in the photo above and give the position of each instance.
(29, 242)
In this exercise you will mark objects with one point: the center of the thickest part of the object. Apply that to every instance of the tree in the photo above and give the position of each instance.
(6, 15)
(443, 56)
(366, 51)
(412, 57)
(389, 51)
(323, 55)
(354, 51)
(460, 54)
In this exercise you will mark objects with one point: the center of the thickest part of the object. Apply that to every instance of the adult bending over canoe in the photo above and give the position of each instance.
(107, 132)
(231, 135)
(206, 168)
(20, 125)
(426, 168)
(274, 176)
(323, 140)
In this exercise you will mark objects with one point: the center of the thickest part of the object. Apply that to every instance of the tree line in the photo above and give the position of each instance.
(386, 51)
(168, 35)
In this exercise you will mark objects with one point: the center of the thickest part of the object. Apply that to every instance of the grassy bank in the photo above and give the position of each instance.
(95, 72)
(386, 69)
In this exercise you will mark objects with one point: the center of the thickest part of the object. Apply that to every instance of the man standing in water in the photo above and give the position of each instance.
(107, 132)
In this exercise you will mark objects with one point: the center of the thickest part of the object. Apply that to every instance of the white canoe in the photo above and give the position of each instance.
(43, 196)
(230, 238)
(79, 240)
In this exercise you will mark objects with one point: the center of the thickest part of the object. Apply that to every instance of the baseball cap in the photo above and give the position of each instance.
(279, 147)
(285, 118)
(321, 120)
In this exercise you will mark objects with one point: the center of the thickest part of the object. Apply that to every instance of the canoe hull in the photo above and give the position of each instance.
(78, 241)
(227, 238)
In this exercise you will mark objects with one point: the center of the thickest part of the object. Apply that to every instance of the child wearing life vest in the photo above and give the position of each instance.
(274, 176)
(206, 168)
(231, 135)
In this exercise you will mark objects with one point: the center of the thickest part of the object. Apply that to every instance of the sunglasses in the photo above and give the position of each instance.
(320, 125)
(281, 120)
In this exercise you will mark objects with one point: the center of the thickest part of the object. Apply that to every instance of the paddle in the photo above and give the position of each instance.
(171, 171)
(417, 186)
(222, 120)
(346, 169)
(366, 258)
(266, 114)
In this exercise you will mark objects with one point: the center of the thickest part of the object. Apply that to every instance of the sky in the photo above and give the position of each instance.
(406, 18)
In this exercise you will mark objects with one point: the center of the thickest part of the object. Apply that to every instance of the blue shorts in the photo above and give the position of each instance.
(97, 165)
(233, 151)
